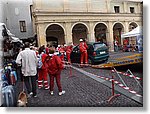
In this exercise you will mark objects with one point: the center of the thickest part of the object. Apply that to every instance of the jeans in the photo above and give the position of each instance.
(31, 87)
(116, 48)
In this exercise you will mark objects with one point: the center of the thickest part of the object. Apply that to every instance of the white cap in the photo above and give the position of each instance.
(81, 40)
(58, 45)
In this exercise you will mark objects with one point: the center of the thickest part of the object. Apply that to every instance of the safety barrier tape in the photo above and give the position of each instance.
(120, 85)
(110, 79)
(126, 74)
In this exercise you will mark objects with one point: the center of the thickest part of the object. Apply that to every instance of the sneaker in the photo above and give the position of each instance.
(47, 88)
(51, 92)
(30, 94)
(61, 93)
(35, 96)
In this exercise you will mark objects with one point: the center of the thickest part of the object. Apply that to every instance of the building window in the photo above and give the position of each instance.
(22, 26)
(116, 8)
(132, 10)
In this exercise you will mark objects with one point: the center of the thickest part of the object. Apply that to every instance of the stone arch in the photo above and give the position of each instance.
(118, 22)
(80, 23)
(55, 34)
(101, 32)
(100, 23)
(55, 24)
(79, 30)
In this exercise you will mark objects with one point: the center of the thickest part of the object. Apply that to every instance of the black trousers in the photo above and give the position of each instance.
(30, 83)
(19, 74)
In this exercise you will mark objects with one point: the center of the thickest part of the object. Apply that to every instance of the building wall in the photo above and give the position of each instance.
(69, 13)
(16, 11)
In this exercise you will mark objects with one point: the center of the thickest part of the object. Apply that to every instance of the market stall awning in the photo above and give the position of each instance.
(135, 32)
(15, 39)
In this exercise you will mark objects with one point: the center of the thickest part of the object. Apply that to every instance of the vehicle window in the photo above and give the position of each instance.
(76, 48)
(96, 46)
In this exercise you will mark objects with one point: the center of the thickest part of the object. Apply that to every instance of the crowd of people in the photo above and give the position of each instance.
(39, 63)
(126, 47)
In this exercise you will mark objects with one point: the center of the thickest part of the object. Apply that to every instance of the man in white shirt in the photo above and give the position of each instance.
(28, 61)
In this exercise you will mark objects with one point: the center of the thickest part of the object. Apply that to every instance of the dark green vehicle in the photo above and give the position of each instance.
(97, 52)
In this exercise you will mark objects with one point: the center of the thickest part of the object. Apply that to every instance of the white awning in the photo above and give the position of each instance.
(135, 32)
(15, 39)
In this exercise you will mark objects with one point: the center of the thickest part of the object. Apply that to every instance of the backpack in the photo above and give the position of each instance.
(40, 64)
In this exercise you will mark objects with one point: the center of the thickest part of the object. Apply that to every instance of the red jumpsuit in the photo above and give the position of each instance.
(43, 73)
(68, 52)
(54, 69)
(83, 49)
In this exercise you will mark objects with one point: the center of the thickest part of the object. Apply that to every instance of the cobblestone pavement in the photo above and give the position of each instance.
(136, 85)
(81, 91)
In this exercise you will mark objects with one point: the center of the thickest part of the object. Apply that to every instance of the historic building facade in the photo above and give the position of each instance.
(66, 21)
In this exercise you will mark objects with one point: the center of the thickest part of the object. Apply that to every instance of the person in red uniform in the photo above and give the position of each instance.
(83, 49)
(42, 72)
(55, 67)
(68, 53)
(125, 43)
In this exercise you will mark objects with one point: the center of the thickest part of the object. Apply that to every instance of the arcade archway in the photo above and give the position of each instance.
(79, 31)
(101, 33)
(55, 35)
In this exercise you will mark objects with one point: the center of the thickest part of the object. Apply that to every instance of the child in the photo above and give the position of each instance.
(55, 67)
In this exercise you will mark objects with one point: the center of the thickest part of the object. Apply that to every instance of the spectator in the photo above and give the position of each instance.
(116, 45)
(28, 61)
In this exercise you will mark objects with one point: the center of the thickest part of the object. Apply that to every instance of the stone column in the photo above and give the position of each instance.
(68, 35)
(110, 36)
(41, 35)
(91, 36)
